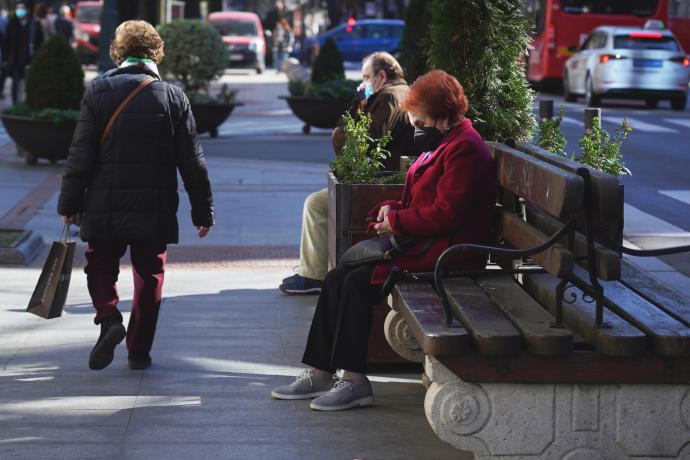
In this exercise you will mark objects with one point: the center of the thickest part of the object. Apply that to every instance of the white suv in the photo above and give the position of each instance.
(628, 62)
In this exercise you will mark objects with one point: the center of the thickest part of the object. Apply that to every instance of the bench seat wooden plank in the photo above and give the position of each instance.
(556, 191)
(556, 260)
(531, 319)
(492, 333)
(585, 367)
(608, 261)
(667, 335)
(423, 311)
(671, 301)
(619, 338)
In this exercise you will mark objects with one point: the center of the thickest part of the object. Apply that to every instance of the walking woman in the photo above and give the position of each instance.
(134, 133)
(448, 197)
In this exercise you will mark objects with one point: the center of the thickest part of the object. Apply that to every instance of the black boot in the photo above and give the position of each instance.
(112, 333)
(139, 360)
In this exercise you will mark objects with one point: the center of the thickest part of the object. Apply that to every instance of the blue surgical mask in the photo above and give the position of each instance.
(368, 90)
(21, 13)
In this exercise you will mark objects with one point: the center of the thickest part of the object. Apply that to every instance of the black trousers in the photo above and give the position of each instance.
(339, 333)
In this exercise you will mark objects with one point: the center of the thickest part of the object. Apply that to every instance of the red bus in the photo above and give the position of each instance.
(562, 25)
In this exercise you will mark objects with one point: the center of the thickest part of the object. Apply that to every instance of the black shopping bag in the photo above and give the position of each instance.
(50, 294)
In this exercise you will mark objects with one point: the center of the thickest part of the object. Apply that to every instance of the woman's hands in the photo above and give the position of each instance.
(202, 231)
(68, 220)
(383, 227)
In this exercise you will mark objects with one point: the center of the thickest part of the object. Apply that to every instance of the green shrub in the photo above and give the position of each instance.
(328, 65)
(483, 45)
(55, 79)
(296, 87)
(601, 152)
(56, 115)
(333, 89)
(414, 43)
(195, 54)
(225, 96)
(550, 137)
(361, 159)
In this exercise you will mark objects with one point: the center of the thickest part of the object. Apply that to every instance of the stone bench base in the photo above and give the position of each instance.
(558, 421)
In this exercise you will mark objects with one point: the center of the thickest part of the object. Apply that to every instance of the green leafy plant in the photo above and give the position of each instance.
(414, 42)
(225, 96)
(296, 87)
(55, 115)
(361, 159)
(195, 55)
(483, 45)
(550, 137)
(601, 152)
(328, 65)
(55, 79)
(334, 89)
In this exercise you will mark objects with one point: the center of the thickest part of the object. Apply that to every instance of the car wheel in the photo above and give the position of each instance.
(679, 102)
(651, 103)
(567, 95)
(591, 97)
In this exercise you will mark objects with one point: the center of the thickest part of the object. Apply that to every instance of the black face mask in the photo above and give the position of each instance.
(427, 138)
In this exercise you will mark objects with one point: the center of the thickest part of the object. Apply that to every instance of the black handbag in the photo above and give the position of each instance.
(382, 249)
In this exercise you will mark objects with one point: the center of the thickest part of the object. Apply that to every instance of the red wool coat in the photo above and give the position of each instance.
(449, 195)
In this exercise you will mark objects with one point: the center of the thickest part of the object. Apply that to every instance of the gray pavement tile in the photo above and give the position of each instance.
(207, 415)
(258, 435)
(60, 418)
(219, 449)
(32, 450)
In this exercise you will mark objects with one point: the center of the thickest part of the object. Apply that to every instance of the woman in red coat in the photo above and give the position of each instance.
(449, 198)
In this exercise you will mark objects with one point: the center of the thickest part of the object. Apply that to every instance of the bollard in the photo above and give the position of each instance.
(545, 109)
(590, 115)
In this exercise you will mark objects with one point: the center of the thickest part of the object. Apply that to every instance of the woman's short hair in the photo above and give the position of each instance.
(381, 60)
(136, 39)
(438, 95)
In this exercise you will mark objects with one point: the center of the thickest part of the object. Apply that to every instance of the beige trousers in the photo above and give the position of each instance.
(313, 251)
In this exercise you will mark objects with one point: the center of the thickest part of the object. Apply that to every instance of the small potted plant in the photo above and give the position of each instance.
(357, 183)
(323, 100)
(43, 126)
(195, 55)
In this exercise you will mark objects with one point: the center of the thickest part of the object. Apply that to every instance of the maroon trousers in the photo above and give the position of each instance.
(148, 268)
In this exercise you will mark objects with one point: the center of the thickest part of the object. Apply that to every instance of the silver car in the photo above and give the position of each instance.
(628, 62)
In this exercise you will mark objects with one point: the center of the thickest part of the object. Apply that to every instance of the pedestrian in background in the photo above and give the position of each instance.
(62, 24)
(24, 37)
(123, 182)
(41, 16)
(3, 39)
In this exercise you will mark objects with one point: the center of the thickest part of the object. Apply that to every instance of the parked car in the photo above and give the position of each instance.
(356, 39)
(243, 34)
(87, 30)
(629, 62)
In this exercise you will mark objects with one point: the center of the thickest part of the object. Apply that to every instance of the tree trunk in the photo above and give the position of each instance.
(215, 5)
(335, 12)
(192, 9)
(128, 9)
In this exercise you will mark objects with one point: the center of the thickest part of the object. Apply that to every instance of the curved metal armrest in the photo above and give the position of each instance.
(439, 270)
(646, 252)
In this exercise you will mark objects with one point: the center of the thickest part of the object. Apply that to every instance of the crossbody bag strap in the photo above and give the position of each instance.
(124, 104)
(402, 251)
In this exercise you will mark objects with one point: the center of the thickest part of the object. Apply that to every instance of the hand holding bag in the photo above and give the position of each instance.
(382, 249)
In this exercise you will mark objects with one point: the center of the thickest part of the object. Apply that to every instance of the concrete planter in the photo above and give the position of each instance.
(209, 116)
(322, 113)
(40, 138)
(20, 247)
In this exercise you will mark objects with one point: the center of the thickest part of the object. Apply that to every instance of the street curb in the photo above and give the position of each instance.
(22, 252)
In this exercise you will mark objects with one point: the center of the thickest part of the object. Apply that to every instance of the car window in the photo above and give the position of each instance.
(599, 40)
(89, 14)
(640, 8)
(349, 32)
(235, 27)
(632, 42)
(395, 31)
(378, 31)
(587, 45)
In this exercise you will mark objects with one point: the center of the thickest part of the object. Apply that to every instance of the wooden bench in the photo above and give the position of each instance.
(560, 348)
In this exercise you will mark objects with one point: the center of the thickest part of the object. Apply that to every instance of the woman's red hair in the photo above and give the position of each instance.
(438, 95)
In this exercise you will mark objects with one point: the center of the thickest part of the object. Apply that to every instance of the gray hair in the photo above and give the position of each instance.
(381, 60)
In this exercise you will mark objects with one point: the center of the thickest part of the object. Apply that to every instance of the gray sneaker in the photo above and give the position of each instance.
(345, 395)
(307, 385)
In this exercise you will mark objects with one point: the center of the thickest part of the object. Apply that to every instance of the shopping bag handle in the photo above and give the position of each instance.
(66, 234)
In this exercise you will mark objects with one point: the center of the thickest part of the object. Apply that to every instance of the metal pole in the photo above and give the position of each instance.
(109, 21)
(546, 109)
(590, 115)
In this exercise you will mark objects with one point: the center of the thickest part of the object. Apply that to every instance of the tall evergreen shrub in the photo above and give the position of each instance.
(55, 79)
(328, 65)
(483, 44)
(414, 43)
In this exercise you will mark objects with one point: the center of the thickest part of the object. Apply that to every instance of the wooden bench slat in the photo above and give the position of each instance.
(492, 333)
(671, 301)
(667, 335)
(586, 367)
(423, 311)
(556, 191)
(556, 260)
(608, 261)
(618, 339)
(531, 319)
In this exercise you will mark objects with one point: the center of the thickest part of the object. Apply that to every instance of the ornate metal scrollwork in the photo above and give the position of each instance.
(570, 296)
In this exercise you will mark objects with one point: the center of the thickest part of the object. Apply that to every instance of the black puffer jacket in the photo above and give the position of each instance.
(127, 188)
